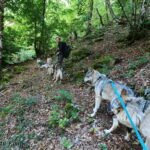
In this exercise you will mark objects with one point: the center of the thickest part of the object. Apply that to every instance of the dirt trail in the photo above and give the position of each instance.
(84, 135)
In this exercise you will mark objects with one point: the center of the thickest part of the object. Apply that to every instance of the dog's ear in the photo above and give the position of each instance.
(90, 69)
(125, 96)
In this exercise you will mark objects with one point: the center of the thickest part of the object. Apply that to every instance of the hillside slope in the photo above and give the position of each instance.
(27, 102)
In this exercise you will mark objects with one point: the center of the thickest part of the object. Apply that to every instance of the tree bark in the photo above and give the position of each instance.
(107, 16)
(42, 38)
(75, 35)
(122, 8)
(111, 10)
(144, 11)
(1, 32)
(89, 27)
(100, 17)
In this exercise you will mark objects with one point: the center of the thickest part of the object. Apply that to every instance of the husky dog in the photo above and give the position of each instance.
(50, 69)
(49, 60)
(39, 62)
(58, 73)
(51, 66)
(145, 127)
(139, 110)
(147, 93)
(103, 89)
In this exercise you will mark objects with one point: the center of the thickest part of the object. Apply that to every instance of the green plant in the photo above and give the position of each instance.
(63, 95)
(66, 143)
(65, 113)
(103, 146)
(55, 117)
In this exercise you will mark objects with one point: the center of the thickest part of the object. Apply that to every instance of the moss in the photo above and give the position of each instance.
(106, 61)
(79, 54)
(7, 77)
(78, 76)
(136, 35)
(141, 92)
(131, 84)
(98, 39)
(19, 69)
(96, 56)
(104, 70)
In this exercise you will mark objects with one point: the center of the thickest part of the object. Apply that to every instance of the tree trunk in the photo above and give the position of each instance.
(100, 17)
(122, 8)
(111, 10)
(75, 35)
(42, 40)
(1, 32)
(107, 16)
(89, 27)
(144, 11)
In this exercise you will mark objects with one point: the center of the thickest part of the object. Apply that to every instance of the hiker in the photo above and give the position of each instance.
(63, 51)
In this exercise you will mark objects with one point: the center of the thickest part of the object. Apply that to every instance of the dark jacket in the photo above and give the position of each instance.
(62, 46)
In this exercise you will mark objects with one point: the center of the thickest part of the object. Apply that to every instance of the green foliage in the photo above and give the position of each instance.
(66, 143)
(20, 56)
(106, 60)
(77, 55)
(139, 62)
(64, 95)
(19, 69)
(7, 77)
(63, 116)
(18, 109)
(78, 76)
(103, 146)
(20, 140)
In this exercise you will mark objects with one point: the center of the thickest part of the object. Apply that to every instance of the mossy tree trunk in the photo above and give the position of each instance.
(100, 17)
(43, 26)
(1, 32)
(114, 17)
(89, 26)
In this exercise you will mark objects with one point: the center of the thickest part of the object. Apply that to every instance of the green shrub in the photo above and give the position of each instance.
(108, 61)
(103, 146)
(19, 69)
(77, 55)
(64, 114)
(66, 143)
(78, 76)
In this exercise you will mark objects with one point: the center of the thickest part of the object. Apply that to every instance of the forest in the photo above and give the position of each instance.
(50, 50)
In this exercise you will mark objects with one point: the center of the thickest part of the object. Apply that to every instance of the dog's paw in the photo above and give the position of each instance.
(92, 115)
(106, 131)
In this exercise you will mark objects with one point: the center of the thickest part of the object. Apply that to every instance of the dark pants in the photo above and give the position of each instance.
(60, 59)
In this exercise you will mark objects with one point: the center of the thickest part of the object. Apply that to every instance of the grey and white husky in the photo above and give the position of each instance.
(139, 110)
(103, 89)
(58, 73)
(54, 69)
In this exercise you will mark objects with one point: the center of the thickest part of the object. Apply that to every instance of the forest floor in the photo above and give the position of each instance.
(24, 125)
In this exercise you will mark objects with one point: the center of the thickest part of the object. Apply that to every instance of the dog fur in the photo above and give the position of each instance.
(58, 74)
(145, 127)
(136, 110)
(106, 93)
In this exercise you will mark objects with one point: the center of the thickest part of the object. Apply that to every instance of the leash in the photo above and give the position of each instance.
(129, 117)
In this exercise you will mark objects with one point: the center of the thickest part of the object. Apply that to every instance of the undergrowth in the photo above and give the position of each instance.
(64, 110)
(21, 136)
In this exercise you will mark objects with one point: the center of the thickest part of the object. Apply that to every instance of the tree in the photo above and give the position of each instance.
(111, 10)
(100, 17)
(1, 31)
(90, 14)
